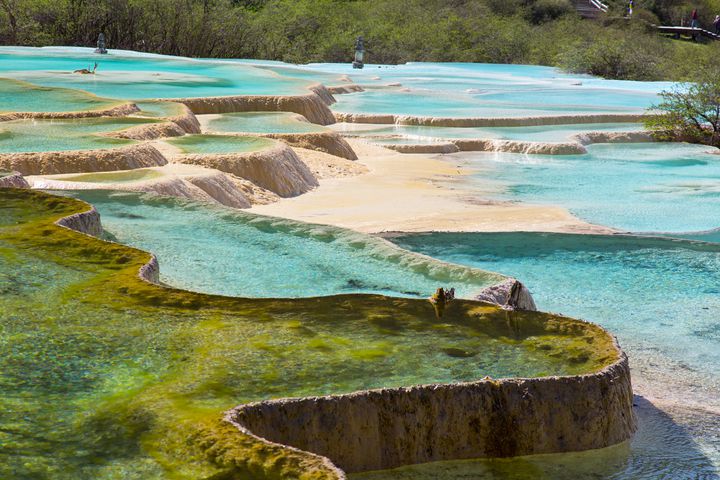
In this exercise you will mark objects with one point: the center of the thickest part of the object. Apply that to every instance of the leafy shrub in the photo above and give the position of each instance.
(542, 11)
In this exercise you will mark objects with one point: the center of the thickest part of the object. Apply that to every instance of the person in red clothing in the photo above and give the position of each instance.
(694, 19)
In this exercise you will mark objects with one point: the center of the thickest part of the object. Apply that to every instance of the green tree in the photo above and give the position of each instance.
(689, 112)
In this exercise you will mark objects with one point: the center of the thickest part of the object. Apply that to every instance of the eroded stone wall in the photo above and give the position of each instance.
(381, 429)
(50, 163)
(277, 169)
(312, 106)
(487, 121)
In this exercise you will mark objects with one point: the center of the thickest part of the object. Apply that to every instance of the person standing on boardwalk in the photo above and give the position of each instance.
(694, 19)
(716, 24)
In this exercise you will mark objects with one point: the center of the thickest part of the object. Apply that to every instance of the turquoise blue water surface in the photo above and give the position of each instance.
(661, 297)
(644, 187)
(133, 75)
(225, 251)
(545, 133)
(486, 90)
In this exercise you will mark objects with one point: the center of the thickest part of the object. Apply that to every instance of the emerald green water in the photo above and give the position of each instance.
(262, 122)
(210, 144)
(52, 135)
(103, 376)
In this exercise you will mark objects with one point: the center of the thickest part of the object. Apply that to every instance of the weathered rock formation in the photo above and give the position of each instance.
(381, 429)
(49, 163)
(149, 131)
(520, 146)
(490, 145)
(344, 89)
(312, 106)
(439, 147)
(277, 169)
(510, 294)
(613, 137)
(13, 180)
(87, 222)
(327, 142)
(488, 121)
(117, 111)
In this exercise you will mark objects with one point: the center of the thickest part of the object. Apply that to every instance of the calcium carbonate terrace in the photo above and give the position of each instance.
(108, 374)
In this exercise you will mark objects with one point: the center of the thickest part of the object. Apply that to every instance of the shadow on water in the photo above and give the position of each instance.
(663, 448)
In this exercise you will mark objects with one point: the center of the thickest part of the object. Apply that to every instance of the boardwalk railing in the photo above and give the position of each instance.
(599, 5)
(691, 31)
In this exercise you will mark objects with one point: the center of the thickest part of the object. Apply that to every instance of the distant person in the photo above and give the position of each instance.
(694, 19)
(716, 24)
(630, 8)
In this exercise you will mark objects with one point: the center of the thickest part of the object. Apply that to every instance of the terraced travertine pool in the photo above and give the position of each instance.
(660, 296)
(129, 75)
(50, 135)
(106, 376)
(218, 144)
(644, 187)
(262, 122)
(220, 250)
(95, 365)
(542, 133)
(18, 96)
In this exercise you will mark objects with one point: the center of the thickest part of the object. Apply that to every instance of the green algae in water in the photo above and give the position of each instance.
(106, 376)
(211, 144)
(160, 109)
(19, 96)
(50, 135)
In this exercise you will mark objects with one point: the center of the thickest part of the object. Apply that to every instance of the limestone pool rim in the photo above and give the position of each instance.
(614, 376)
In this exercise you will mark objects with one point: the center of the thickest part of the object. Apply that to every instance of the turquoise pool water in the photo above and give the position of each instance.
(63, 134)
(104, 377)
(224, 251)
(644, 187)
(210, 144)
(18, 96)
(132, 75)
(547, 133)
(661, 297)
(480, 90)
(262, 122)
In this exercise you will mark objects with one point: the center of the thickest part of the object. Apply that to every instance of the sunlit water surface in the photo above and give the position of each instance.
(643, 187)
(660, 297)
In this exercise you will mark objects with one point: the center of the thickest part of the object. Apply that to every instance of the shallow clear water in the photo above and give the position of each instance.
(106, 377)
(486, 90)
(125, 176)
(545, 133)
(220, 250)
(644, 187)
(22, 97)
(219, 143)
(132, 75)
(660, 297)
(63, 134)
(262, 122)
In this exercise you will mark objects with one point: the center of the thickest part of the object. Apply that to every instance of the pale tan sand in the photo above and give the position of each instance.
(324, 166)
(413, 193)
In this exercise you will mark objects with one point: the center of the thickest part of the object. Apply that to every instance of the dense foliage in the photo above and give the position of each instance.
(547, 32)
(690, 112)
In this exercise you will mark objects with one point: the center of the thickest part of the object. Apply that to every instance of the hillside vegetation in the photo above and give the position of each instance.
(546, 32)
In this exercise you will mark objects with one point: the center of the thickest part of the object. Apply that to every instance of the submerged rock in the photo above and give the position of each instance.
(510, 294)
(13, 180)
